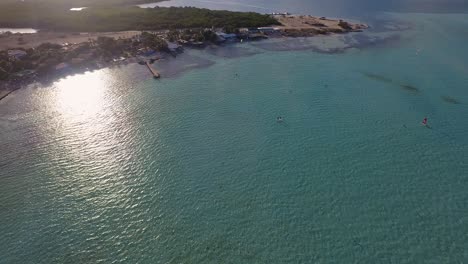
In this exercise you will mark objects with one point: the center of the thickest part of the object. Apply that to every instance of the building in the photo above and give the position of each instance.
(174, 47)
(61, 67)
(147, 52)
(25, 73)
(222, 37)
(16, 54)
(196, 44)
(253, 30)
(267, 30)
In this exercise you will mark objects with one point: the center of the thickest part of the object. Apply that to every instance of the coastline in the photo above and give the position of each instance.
(113, 166)
(5, 93)
(292, 26)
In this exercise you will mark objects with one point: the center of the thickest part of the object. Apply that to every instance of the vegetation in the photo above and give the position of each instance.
(120, 18)
(4, 65)
(44, 59)
(344, 25)
(8, 66)
(153, 41)
(198, 35)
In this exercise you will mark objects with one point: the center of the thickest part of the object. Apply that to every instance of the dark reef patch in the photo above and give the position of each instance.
(449, 99)
(227, 51)
(366, 41)
(409, 88)
(376, 77)
(406, 87)
(174, 67)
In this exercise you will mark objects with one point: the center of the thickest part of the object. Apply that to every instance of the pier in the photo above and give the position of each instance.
(153, 71)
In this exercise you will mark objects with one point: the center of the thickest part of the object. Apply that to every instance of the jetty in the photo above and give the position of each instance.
(153, 71)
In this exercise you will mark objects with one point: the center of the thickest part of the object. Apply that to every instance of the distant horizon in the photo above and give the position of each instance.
(433, 6)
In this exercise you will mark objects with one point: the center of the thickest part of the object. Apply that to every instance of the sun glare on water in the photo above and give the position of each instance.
(89, 134)
(83, 104)
(82, 95)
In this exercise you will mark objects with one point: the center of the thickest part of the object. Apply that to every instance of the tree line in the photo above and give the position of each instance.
(122, 18)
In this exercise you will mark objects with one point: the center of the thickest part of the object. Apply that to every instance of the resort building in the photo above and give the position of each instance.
(267, 30)
(174, 47)
(16, 54)
(62, 66)
(222, 37)
(249, 30)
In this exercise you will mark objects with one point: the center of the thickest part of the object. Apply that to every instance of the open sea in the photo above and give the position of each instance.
(112, 166)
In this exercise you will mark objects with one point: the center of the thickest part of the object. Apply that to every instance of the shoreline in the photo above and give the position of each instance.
(9, 87)
(6, 93)
(66, 44)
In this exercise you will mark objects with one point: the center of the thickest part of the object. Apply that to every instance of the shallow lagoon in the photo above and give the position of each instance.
(113, 166)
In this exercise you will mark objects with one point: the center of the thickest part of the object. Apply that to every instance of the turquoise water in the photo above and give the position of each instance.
(114, 167)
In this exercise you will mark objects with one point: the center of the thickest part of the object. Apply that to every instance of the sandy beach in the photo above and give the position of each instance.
(298, 22)
(289, 23)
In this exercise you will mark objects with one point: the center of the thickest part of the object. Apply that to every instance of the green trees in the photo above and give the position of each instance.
(106, 43)
(119, 18)
(344, 25)
(48, 46)
(107, 46)
(153, 41)
(230, 29)
(3, 74)
(200, 35)
(173, 35)
(209, 35)
(4, 65)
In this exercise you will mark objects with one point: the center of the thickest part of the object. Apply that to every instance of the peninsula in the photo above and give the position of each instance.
(70, 41)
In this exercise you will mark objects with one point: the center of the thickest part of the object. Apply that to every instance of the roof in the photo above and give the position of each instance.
(172, 46)
(226, 36)
(61, 66)
(267, 28)
(16, 53)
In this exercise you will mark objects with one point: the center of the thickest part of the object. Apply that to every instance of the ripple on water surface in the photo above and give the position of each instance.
(114, 166)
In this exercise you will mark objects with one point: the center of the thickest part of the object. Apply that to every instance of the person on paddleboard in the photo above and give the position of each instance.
(424, 122)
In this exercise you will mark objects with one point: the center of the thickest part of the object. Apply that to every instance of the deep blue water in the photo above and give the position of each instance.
(112, 166)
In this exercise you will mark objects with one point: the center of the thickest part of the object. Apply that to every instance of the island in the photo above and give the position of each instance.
(103, 35)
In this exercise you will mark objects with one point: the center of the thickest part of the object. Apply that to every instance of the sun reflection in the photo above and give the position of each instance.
(83, 109)
(81, 95)
(92, 144)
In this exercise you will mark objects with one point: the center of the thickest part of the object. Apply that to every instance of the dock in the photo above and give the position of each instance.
(153, 71)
